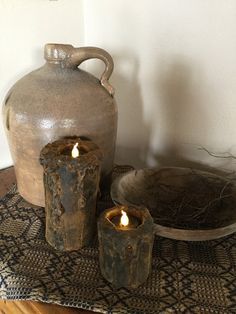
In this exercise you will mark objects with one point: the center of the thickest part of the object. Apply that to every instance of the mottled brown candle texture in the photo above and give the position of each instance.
(71, 186)
(125, 253)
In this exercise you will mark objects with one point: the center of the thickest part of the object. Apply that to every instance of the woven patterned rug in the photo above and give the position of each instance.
(186, 277)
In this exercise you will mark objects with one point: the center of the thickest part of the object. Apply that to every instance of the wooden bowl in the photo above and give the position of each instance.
(186, 204)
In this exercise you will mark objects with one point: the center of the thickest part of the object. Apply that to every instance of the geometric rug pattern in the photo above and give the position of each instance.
(186, 277)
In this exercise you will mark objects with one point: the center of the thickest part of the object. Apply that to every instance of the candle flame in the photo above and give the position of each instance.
(124, 220)
(75, 151)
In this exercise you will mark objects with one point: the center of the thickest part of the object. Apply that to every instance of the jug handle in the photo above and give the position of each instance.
(79, 55)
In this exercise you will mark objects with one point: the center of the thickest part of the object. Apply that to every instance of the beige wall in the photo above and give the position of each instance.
(175, 69)
(175, 76)
(25, 26)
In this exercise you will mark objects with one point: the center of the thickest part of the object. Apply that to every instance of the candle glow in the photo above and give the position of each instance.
(124, 220)
(75, 151)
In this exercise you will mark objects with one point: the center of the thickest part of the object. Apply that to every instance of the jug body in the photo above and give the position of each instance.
(55, 101)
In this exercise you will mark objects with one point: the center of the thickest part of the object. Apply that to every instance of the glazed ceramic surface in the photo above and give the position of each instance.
(56, 101)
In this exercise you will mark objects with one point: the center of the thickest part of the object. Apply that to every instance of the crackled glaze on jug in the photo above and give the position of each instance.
(56, 101)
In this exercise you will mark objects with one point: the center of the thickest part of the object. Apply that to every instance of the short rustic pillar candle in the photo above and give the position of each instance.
(71, 186)
(125, 245)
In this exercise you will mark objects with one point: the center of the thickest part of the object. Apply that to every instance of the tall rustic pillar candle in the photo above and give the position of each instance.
(71, 186)
(125, 235)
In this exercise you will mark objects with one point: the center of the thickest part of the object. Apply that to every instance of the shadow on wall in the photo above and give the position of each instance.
(183, 116)
(176, 104)
(133, 132)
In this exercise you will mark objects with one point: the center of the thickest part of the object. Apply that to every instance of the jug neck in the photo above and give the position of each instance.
(58, 55)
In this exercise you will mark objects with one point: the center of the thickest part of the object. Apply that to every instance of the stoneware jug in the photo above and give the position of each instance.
(55, 101)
